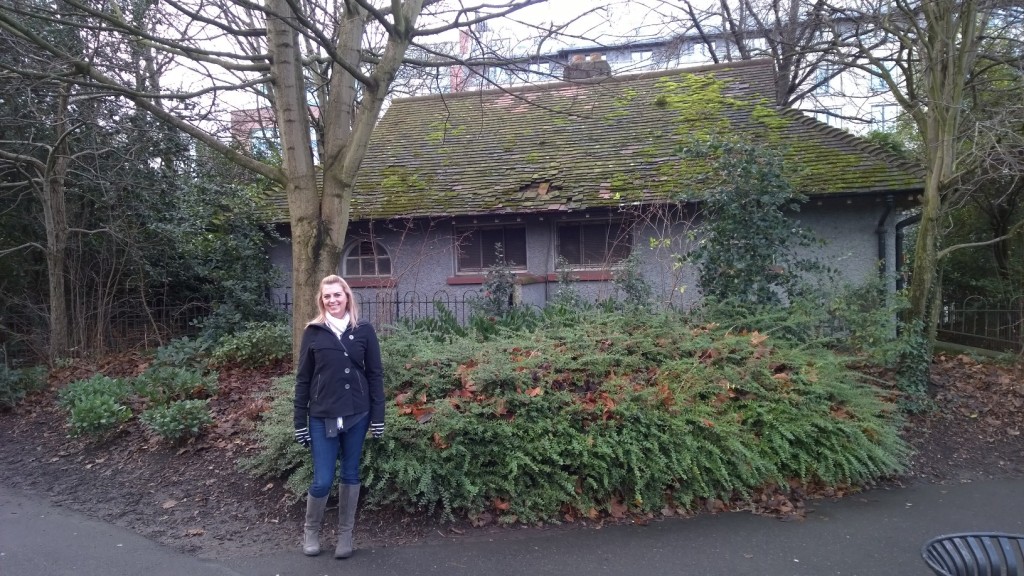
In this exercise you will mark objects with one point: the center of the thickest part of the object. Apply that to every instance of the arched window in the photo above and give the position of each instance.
(366, 258)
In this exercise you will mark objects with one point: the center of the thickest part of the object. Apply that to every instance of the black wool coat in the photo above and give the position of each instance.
(339, 377)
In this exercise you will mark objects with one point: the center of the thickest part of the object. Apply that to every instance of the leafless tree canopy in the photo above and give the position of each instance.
(954, 67)
(312, 76)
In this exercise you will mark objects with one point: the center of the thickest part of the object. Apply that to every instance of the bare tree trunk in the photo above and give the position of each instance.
(999, 224)
(56, 222)
(947, 50)
(925, 250)
(319, 222)
(300, 177)
(934, 309)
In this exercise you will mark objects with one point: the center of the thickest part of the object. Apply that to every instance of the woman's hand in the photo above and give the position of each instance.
(302, 436)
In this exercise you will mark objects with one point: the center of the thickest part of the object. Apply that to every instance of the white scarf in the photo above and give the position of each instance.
(338, 326)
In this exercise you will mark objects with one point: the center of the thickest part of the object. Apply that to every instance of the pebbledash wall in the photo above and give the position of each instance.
(423, 257)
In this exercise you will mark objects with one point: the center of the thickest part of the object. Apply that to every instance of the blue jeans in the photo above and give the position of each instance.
(348, 445)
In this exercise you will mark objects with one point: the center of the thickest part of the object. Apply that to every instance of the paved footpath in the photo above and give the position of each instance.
(878, 533)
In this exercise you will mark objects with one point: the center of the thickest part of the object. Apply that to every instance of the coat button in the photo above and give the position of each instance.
(346, 370)
(351, 337)
(346, 386)
(346, 353)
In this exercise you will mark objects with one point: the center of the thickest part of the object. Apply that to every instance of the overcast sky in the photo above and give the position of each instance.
(586, 23)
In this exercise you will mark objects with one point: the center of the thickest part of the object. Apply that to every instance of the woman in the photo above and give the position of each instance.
(339, 395)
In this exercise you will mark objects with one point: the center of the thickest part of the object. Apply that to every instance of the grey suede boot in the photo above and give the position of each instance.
(348, 500)
(311, 529)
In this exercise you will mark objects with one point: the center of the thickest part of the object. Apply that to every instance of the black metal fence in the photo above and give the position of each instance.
(978, 322)
(23, 335)
(386, 307)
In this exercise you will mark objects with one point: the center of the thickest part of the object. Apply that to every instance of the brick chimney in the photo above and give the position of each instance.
(581, 69)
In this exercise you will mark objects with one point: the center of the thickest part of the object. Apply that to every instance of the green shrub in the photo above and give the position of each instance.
(260, 344)
(519, 318)
(497, 309)
(280, 455)
(179, 420)
(615, 409)
(95, 386)
(497, 294)
(183, 352)
(439, 326)
(163, 384)
(15, 384)
(567, 297)
(95, 406)
(750, 246)
(97, 416)
(637, 293)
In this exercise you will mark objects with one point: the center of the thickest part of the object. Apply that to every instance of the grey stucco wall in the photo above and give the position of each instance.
(850, 230)
(424, 263)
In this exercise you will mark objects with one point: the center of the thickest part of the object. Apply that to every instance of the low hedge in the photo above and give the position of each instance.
(605, 411)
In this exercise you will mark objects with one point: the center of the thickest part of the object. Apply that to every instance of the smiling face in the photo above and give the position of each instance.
(334, 299)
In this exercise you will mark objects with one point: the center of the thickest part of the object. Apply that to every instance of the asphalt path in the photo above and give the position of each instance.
(877, 533)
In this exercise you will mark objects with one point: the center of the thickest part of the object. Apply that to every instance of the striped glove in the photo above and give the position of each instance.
(377, 430)
(302, 436)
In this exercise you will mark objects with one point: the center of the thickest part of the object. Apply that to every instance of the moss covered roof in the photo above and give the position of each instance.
(571, 146)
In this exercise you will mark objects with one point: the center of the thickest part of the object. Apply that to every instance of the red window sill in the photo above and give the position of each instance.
(586, 276)
(522, 278)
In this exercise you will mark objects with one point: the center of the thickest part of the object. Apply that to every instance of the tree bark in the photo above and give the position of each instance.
(56, 223)
(291, 112)
(947, 51)
(319, 222)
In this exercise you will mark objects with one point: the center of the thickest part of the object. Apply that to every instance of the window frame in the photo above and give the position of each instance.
(623, 226)
(463, 231)
(379, 252)
(884, 115)
(830, 76)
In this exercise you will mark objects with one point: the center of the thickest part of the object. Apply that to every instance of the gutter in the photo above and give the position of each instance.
(882, 231)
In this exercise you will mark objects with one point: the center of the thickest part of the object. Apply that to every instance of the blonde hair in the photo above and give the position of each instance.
(351, 306)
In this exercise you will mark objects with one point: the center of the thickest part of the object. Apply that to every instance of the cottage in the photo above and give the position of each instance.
(587, 173)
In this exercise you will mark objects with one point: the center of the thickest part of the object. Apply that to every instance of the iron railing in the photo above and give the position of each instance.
(23, 336)
(984, 324)
(384, 308)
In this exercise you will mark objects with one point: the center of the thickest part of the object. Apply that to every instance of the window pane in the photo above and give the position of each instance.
(515, 247)
(352, 267)
(594, 244)
(620, 242)
(569, 244)
(469, 250)
(490, 239)
(366, 259)
(477, 248)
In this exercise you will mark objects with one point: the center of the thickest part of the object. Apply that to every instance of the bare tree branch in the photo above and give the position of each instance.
(24, 246)
(1014, 230)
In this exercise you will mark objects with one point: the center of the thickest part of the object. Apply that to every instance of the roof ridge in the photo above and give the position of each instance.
(486, 153)
(858, 142)
(543, 87)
